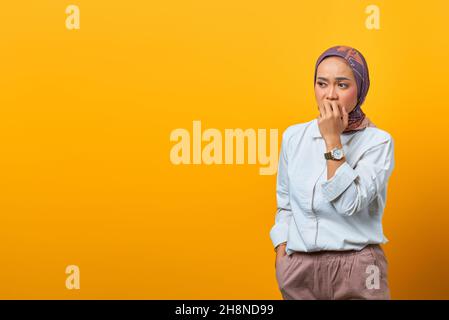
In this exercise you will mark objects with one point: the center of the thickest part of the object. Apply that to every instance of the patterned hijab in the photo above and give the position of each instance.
(356, 118)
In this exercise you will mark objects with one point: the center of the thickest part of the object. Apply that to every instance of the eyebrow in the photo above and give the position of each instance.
(337, 78)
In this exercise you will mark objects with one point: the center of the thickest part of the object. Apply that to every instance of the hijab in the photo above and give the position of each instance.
(357, 120)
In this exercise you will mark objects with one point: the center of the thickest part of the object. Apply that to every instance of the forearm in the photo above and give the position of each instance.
(333, 165)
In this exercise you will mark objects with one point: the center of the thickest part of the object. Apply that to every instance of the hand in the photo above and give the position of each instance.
(332, 121)
(280, 253)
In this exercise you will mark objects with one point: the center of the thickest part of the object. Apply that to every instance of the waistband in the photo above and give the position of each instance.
(338, 253)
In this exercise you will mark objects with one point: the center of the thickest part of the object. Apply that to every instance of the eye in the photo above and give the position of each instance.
(344, 84)
(320, 83)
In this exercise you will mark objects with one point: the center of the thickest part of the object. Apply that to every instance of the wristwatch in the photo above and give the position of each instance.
(334, 154)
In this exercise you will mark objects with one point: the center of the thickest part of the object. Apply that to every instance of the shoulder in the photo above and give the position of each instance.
(297, 129)
(376, 136)
(374, 141)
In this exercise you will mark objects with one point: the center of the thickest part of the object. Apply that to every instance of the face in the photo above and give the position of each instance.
(335, 81)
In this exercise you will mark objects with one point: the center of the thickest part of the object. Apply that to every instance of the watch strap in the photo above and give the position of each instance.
(328, 156)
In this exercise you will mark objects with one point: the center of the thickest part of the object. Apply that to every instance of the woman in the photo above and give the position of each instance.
(331, 191)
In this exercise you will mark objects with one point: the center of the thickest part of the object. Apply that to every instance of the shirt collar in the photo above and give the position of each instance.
(316, 133)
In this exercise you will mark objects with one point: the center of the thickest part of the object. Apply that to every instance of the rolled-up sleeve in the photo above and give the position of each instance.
(352, 189)
(279, 232)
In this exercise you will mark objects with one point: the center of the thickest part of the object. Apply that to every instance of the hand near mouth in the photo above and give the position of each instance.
(333, 120)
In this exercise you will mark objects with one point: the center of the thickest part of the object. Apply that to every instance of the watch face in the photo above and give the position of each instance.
(337, 154)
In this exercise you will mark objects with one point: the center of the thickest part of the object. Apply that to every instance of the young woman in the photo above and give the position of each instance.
(331, 191)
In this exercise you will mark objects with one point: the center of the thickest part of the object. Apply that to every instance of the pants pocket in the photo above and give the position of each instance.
(282, 269)
(377, 274)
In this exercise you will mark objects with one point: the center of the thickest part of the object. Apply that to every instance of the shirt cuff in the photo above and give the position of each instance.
(342, 179)
(279, 234)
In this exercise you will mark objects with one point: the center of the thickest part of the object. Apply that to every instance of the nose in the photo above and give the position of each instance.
(331, 94)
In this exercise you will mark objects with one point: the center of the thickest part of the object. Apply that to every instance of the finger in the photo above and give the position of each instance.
(336, 109)
(322, 110)
(327, 108)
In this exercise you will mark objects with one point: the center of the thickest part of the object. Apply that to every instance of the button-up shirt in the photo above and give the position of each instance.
(342, 213)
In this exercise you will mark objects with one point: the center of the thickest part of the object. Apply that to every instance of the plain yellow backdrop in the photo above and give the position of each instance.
(86, 116)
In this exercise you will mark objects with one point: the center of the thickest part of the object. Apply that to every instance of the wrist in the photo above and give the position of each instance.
(281, 245)
(333, 142)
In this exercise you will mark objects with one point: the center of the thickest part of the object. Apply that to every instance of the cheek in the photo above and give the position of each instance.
(319, 93)
(349, 97)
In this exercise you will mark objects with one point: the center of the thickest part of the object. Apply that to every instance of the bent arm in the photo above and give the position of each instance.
(351, 190)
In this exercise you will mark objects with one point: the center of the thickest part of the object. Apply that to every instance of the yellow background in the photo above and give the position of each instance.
(86, 117)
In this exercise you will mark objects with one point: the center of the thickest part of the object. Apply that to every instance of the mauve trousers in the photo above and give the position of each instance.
(330, 275)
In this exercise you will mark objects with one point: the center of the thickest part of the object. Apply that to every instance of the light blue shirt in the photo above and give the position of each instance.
(342, 213)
